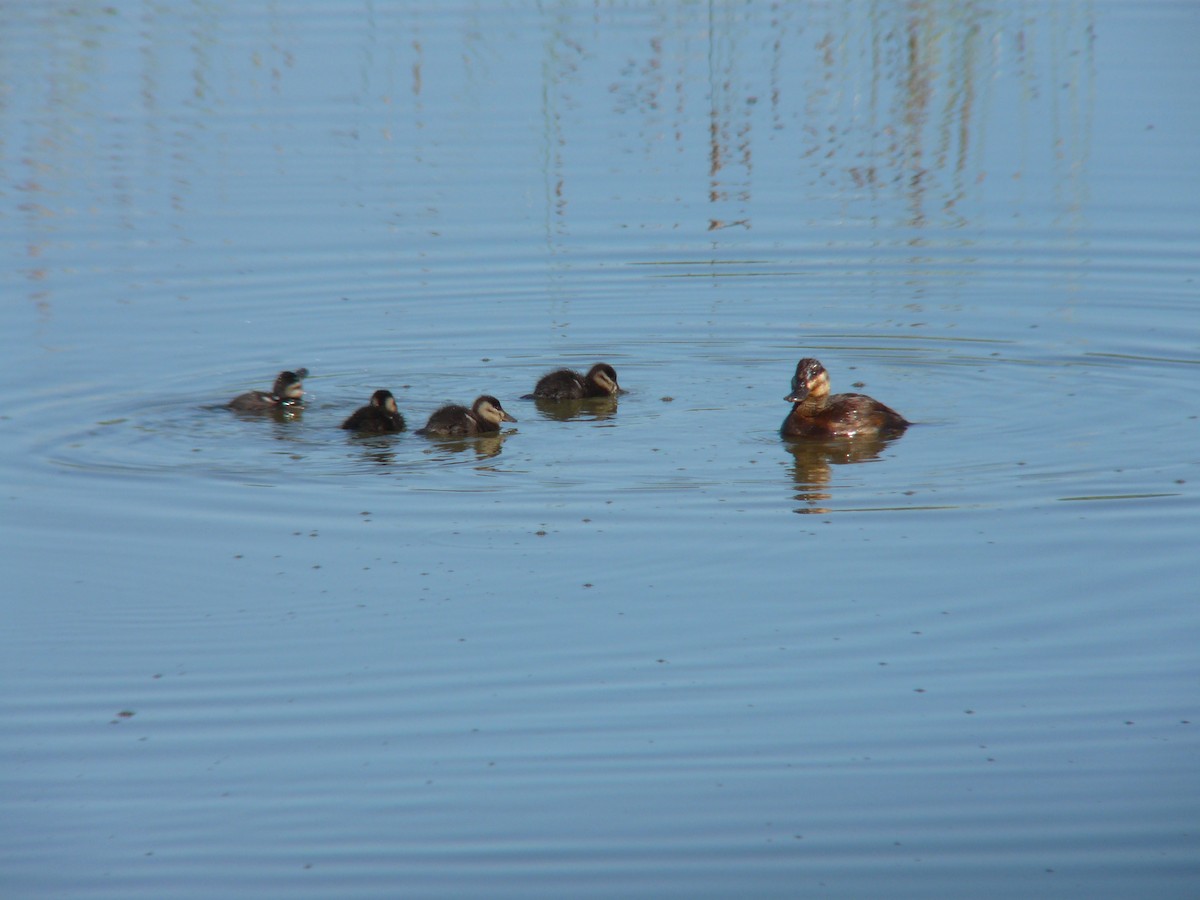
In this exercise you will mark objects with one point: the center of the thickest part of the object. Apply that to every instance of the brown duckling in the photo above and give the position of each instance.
(484, 416)
(816, 413)
(287, 391)
(380, 416)
(565, 384)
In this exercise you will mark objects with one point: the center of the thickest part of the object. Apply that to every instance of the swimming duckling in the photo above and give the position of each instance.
(818, 414)
(565, 384)
(485, 415)
(287, 391)
(380, 416)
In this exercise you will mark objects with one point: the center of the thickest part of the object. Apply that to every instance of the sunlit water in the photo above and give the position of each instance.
(634, 648)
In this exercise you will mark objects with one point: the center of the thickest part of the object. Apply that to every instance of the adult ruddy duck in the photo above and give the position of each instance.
(817, 413)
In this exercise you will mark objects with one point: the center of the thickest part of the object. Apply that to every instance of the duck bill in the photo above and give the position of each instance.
(505, 417)
(797, 396)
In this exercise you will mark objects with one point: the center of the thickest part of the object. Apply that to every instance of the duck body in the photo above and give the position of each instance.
(380, 416)
(484, 417)
(817, 413)
(567, 384)
(287, 391)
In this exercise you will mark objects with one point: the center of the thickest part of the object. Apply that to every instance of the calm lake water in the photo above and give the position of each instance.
(643, 648)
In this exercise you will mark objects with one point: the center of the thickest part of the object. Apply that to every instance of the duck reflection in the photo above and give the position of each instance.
(485, 446)
(814, 459)
(597, 408)
(277, 415)
(280, 415)
(375, 449)
(283, 425)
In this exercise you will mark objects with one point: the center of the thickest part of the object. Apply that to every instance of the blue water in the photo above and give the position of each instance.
(648, 648)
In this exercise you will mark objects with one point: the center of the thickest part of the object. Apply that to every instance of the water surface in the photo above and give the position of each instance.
(638, 648)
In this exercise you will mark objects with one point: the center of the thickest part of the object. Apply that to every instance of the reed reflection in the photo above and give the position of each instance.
(879, 103)
(825, 110)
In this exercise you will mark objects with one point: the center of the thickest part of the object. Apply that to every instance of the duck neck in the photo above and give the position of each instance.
(812, 404)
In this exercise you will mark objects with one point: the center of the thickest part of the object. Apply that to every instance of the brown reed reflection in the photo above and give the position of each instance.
(877, 101)
(859, 103)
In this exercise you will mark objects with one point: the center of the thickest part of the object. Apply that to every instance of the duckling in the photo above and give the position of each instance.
(287, 391)
(484, 416)
(380, 416)
(816, 413)
(565, 384)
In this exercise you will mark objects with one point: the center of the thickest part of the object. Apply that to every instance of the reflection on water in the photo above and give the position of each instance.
(592, 408)
(843, 106)
(484, 446)
(874, 100)
(281, 414)
(374, 449)
(814, 459)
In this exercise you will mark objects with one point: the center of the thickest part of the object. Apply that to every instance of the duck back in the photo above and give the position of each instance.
(843, 415)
